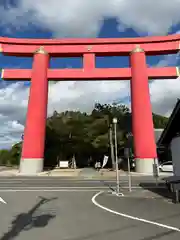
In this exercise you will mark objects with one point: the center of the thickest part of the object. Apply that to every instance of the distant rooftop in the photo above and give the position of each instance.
(172, 128)
(157, 133)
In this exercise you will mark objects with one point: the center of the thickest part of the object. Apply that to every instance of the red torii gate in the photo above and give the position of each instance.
(41, 51)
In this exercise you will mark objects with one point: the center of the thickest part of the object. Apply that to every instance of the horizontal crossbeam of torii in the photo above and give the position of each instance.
(90, 75)
(138, 73)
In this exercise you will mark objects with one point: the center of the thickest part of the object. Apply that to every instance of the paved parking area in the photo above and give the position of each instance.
(72, 215)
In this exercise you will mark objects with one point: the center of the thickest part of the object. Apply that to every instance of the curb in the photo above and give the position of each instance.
(76, 174)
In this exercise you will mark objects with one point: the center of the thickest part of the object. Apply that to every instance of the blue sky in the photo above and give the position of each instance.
(84, 19)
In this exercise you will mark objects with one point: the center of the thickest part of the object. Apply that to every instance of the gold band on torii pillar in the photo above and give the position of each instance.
(178, 72)
(41, 50)
(1, 49)
(178, 68)
(137, 49)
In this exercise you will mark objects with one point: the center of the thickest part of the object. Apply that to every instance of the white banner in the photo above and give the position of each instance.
(63, 164)
(105, 160)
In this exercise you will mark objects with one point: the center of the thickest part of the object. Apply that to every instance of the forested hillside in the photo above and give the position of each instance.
(85, 136)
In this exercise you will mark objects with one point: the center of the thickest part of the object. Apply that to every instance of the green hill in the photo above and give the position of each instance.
(85, 136)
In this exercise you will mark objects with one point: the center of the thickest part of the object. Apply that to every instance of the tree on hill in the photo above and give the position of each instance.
(11, 157)
(159, 121)
(85, 136)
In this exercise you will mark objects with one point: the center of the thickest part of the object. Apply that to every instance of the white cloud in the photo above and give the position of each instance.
(62, 96)
(10, 133)
(85, 17)
(12, 113)
(83, 95)
(164, 94)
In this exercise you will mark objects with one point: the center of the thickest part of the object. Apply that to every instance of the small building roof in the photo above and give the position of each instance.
(172, 128)
(157, 133)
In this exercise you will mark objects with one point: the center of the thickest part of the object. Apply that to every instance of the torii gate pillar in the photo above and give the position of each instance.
(142, 120)
(34, 136)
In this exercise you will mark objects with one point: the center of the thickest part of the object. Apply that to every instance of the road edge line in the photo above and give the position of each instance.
(129, 216)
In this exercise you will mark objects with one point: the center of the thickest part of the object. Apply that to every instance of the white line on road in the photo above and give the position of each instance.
(2, 200)
(59, 180)
(131, 217)
(97, 187)
(68, 182)
(49, 190)
(44, 187)
(12, 182)
(124, 178)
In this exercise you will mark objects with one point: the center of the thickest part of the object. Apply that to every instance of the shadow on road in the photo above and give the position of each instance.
(108, 185)
(159, 235)
(103, 233)
(160, 190)
(27, 221)
(112, 188)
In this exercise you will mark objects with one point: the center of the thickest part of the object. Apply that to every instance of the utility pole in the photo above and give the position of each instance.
(112, 147)
(116, 156)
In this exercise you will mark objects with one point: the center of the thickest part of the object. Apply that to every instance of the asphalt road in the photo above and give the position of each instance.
(58, 208)
(60, 183)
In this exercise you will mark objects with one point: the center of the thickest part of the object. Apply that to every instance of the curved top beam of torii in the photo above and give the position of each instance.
(100, 46)
(84, 41)
(97, 46)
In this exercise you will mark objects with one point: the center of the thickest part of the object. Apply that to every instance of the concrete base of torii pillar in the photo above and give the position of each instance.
(144, 165)
(31, 166)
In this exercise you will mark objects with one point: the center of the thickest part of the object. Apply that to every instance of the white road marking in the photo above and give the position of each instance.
(97, 187)
(43, 187)
(49, 190)
(116, 194)
(8, 182)
(53, 180)
(2, 200)
(131, 217)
